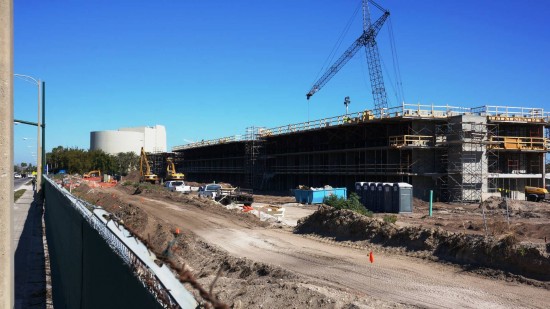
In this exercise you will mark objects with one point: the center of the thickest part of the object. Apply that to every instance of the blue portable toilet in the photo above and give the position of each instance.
(379, 197)
(366, 194)
(373, 196)
(388, 197)
(359, 191)
(402, 200)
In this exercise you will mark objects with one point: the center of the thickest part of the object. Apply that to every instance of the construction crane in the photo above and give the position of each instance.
(145, 170)
(367, 39)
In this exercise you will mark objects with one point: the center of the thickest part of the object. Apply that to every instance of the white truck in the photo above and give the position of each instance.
(177, 186)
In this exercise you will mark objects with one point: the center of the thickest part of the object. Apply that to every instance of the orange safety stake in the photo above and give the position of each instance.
(177, 231)
(371, 257)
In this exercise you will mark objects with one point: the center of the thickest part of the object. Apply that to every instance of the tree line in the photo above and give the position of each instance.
(75, 160)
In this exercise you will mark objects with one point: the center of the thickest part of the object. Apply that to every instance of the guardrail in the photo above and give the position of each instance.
(518, 143)
(405, 110)
(512, 112)
(411, 141)
(216, 141)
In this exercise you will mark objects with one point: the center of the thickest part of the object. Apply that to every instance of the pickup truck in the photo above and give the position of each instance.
(177, 186)
(210, 190)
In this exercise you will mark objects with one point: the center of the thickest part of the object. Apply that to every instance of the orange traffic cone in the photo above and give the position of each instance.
(371, 257)
(177, 231)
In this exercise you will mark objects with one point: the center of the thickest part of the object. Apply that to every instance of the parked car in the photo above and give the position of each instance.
(16, 175)
(177, 186)
(210, 190)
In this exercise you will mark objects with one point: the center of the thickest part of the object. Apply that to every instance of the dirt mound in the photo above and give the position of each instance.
(132, 176)
(504, 253)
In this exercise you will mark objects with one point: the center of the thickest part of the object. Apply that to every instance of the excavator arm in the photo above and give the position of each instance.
(145, 169)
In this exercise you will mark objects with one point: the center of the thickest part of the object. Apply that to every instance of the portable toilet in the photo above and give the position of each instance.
(367, 195)
(388, 197)
(402, 200)
(359, 191)
(373, 197)
(379, 207)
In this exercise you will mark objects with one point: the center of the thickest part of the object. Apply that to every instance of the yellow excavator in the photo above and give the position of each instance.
(145, 170)
(90, 174)
(171, 173)
(536, 194)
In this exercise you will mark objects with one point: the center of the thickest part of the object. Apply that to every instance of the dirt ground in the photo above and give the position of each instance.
(268, 264)
(528, 221)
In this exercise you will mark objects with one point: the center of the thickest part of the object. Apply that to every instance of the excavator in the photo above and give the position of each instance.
(171, 173)
(145, 169)
(90, 174)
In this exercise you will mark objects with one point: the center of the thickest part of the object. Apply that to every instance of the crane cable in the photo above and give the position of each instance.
(395, 59)
(337, 45)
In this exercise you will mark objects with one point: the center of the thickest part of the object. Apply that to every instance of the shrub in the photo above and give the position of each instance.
(390, 218)
(352, 203)
(127, 183)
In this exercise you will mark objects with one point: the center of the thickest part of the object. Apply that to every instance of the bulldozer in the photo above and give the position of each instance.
(536, 194)
(171, 173)
(145, 169)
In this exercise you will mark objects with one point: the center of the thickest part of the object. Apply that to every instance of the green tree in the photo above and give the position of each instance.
(126, 162)
(100, 160)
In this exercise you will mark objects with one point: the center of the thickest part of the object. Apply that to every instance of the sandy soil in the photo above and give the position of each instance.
(266, 265)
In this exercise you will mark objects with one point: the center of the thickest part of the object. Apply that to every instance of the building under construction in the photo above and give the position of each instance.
(462, 154)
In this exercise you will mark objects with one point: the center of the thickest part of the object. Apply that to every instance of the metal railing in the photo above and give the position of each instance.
(512, 112)
(518, 143)
(405, 110)
(216, 141)
(411, 141)
(140, 269)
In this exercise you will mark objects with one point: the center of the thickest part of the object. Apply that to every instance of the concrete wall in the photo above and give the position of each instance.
(154, 139)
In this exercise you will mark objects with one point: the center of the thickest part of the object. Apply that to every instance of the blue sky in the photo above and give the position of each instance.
(208, 69)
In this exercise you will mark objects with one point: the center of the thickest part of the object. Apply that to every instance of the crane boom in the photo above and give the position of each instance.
(366, 39)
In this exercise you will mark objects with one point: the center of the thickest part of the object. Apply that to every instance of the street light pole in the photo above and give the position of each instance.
(39, 151)
(44, 163)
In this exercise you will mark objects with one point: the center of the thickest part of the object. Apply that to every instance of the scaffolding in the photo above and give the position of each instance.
(467, 160)
(464, 153)
(254, 168)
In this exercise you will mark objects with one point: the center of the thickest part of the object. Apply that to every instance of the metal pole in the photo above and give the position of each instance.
(431, 201)
(6, 155)
(38, 143)
(44, 162)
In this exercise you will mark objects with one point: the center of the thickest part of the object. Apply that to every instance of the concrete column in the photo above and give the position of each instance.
(6, 154)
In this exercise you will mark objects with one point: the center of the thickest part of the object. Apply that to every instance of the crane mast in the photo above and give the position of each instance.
(367, 39)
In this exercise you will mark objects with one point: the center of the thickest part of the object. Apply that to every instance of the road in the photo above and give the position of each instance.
(395, 278)
(18, 182)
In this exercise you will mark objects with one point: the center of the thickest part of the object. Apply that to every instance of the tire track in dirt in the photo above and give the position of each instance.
(395, 278)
